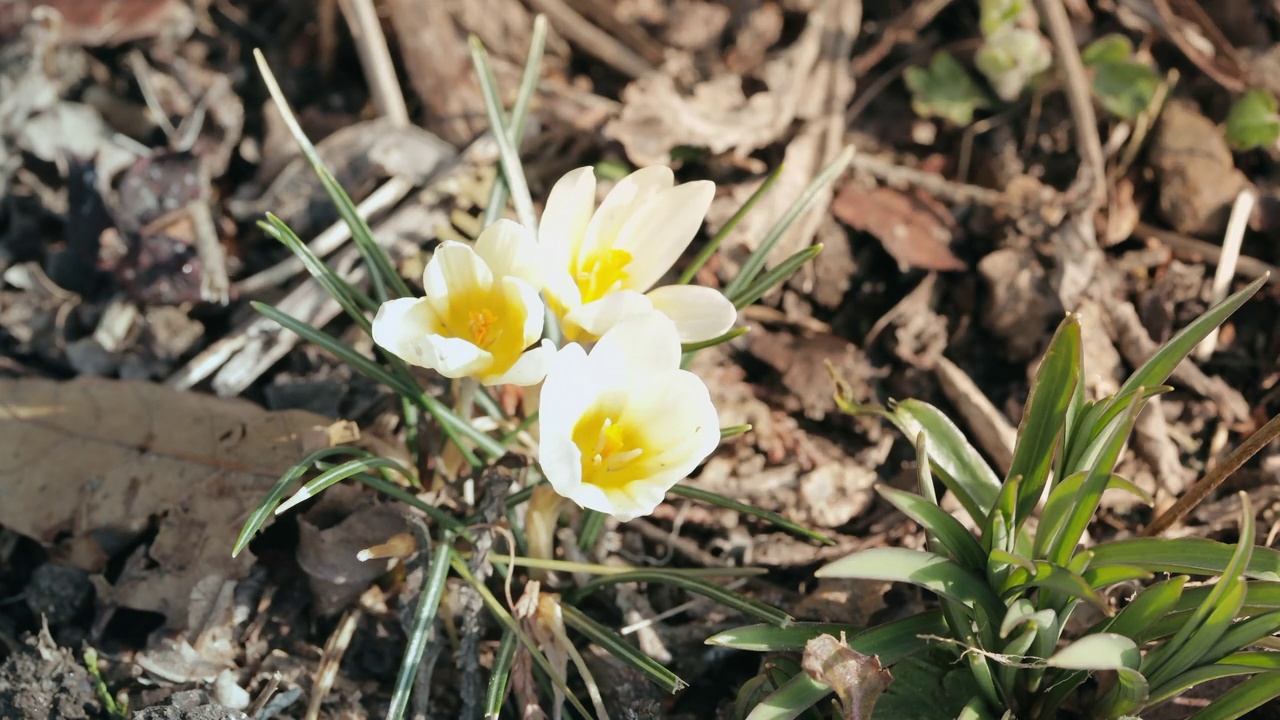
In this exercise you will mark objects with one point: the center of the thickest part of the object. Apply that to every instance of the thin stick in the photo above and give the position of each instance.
(1082, 115)
(1231, 242)
(333, 237)
(595, 41)
(331, 660)
(1214, 477)
(375, 58)
(1194, 249)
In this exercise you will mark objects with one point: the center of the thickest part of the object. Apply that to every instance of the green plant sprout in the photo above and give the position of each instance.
(1012, 56)
(535, 634)
(1000, 643)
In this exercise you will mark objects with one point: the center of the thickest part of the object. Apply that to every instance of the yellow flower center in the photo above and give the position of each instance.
(490, 320)
(602, 272)
(609, 449)
(481, 322)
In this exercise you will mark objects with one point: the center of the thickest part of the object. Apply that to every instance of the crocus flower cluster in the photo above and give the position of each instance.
(620, 423)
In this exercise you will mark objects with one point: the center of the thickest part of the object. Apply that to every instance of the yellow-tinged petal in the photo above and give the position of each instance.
(660, 230)
(700, 313)
(596, 318)
(566, 216)
(473, 322)
(627, 196)
(509, 250)
(621, 425)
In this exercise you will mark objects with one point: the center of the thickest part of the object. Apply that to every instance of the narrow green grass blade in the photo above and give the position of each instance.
(351, 299)
(706, 496)
(955, 461)
(756, 261)
(795, 696)
(1064, 582)
(1249, 695)
(734, 431)
(423, 618)
(498, 677)
(592, 524)
(267, 507)
(774, 277)
(1212, 618)
(1108, 575)
(453, 426)
(1059, 548)
(932, 572)
(508, 155)
(1242, 635)
(950, 534)
(716, 240)
(1197, 676)
(1158, 368)
(504, 618)
(1044, 421)
(618, 647)
(771, 638)
(718, 340)
(389, 489)
(1193, 556)
(570, 566)
(381, 270)
(697, 586)
(519, 112)
(1058, 507)
(336, 475)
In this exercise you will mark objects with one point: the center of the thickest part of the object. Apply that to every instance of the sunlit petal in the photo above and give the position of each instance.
(509, 250)
(596, 318)
(700, 313)
(566, 216)
(627, 196)
(658, 232)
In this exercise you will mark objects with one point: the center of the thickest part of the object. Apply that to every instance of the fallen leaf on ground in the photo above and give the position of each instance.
(913, 227)
(100, 463)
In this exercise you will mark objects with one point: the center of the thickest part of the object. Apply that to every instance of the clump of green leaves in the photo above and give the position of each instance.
(1122, 85)
(945, 90)
(1253, 121)
(1007, 595)
(1012, 55)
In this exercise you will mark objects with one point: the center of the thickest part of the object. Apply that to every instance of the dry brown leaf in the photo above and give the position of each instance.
(101, 462)
(717, 115)
(913, 227)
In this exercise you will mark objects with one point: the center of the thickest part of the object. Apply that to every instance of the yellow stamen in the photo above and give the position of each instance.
(608, 449)
(602, 272)
(481, 321)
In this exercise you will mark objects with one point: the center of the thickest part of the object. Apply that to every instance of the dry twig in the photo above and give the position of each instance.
(1078, 94)
(380, 72)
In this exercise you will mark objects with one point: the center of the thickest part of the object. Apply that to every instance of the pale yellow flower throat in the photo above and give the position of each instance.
(602, 272)
(608, 449)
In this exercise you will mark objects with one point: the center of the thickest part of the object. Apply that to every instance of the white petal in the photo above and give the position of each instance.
(600, 316)
(508, 248)
(699, 312)
(454, 268)
(519, 292)
(452, 357)
(629, 195)
(680, 421)
(657, 233)
(629, 505)
(639, 346)
(530, 369)
(566, 216)
(401, 323)
(566, 394)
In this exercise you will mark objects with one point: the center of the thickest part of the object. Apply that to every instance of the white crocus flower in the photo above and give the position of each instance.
(620, 426)
(481, 313)
(602, 263)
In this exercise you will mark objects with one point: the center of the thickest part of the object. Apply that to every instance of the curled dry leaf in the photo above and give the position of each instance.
(718, 115)
(914, 228)
(857, 679)
(88, 466)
